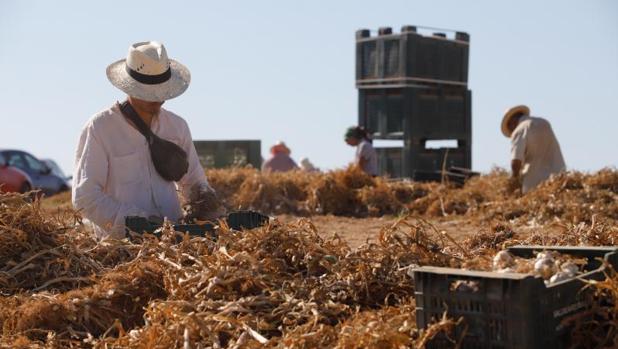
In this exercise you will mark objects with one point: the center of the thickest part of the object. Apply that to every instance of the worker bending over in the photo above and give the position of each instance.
(535, 152)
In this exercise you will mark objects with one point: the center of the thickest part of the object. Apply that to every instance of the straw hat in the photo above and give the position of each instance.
(280, 147)
(148, 74)
(509, 114)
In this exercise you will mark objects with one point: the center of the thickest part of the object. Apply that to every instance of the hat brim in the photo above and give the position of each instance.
(174, 87)
(520, 109)
(281, 148)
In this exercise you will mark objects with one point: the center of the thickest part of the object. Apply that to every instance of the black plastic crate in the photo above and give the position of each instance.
(421, 164)
(440, 112)
(390, 161)
(409, 57)
(237, 220)
(431, 112)
(229, 153)
(509, 310)
(423, 159)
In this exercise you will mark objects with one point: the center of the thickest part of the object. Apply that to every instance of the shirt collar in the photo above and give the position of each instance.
(155, 120)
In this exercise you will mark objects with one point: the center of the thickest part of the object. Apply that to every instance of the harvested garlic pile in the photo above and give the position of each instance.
(503, 262)
(550, 266)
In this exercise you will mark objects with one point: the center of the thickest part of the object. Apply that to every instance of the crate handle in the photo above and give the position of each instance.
(465, 286)
(469, 274)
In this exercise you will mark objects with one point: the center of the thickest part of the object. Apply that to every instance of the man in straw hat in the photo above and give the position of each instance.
(535, 152)
(120, 167)
(279, 160)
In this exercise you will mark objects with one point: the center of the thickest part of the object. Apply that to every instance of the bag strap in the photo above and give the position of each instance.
(127, 110)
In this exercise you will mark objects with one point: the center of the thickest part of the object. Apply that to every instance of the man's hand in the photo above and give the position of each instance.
(204, 205)
(514, 185)
(516, 168)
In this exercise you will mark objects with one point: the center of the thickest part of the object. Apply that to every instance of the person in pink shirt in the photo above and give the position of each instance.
(279, 160)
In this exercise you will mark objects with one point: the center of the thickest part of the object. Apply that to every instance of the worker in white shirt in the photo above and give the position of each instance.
(135, 158)
(307, 166)
(366, 157)
(535, 152)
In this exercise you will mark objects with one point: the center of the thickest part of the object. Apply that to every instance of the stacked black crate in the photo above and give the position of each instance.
(413, 88)
(229, 153)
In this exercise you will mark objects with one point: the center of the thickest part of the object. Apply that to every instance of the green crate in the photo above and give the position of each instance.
(229, 153)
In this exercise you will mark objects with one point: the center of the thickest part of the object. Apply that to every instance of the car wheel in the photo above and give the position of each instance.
(25, 187)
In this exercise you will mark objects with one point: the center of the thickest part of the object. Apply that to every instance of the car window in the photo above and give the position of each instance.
(17, 161)
(53, 166)
(34, 164)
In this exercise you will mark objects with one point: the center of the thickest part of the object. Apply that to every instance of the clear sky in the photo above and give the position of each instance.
(274, 70)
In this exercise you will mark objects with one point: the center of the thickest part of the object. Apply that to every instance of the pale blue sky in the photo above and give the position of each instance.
(274, 70)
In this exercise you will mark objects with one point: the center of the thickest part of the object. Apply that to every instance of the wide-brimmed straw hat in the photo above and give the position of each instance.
(509, 114)
(148, 74)
(280, 147)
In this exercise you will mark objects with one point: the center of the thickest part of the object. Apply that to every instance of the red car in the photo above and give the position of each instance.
(13, 179)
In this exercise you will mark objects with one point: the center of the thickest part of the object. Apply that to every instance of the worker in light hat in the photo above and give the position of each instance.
(279, 160)
(535, 152)
(136, 158)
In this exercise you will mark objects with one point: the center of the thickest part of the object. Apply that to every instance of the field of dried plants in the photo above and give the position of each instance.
(332, 271)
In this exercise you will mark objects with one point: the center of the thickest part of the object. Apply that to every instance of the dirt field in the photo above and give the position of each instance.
(357, 231)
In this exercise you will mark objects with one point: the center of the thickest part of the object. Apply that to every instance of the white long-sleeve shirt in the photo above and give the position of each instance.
(114, 175)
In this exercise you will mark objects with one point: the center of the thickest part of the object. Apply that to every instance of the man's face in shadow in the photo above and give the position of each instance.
(152, 108)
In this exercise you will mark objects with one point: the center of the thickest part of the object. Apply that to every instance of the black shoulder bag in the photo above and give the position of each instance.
(169, 159)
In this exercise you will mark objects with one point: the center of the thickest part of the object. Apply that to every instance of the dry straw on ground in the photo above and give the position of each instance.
(572, 197)
(281, 286)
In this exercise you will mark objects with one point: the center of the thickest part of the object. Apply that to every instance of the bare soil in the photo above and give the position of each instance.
(357, 231)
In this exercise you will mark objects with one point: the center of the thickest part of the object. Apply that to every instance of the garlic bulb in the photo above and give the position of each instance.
(570, 268)
(502, 260)
(544, 255)
(560, 276)
(545, 268)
